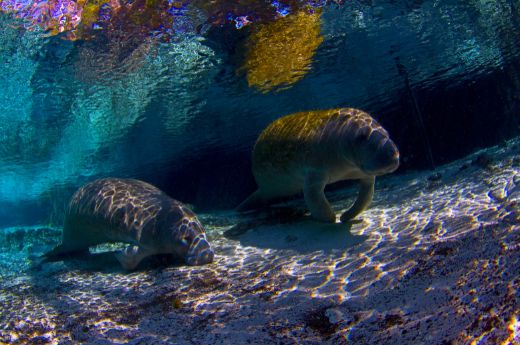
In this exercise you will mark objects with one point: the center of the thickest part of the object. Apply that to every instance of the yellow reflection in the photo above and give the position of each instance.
(280, 53)
(514, 332)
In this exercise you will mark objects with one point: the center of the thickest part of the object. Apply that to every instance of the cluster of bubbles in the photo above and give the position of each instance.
(80, 19)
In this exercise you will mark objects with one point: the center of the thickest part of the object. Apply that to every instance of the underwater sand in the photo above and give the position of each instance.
(434, 260)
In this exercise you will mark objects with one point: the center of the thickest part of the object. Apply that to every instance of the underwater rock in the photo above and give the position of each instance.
(320, 322)
(308, 150)
(334, 315)
(135, 212)
(498, 194)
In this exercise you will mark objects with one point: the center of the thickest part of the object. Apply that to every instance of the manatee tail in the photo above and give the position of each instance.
(253, 202)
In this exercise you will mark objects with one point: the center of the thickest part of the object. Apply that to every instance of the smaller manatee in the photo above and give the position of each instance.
(134, 212)
(308, 150)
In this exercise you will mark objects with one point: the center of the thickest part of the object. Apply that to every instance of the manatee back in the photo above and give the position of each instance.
(302, 138)
(117, 210)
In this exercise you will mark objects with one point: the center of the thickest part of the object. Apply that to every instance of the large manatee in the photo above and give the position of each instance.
(135, 212)
(308, 150)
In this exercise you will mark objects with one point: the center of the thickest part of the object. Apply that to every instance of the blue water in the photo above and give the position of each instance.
(171, 105)
(175, 93)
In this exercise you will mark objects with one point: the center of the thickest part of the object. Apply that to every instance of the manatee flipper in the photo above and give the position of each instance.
(254, 201)
(131, 256)
(365, 195)
(314, 195)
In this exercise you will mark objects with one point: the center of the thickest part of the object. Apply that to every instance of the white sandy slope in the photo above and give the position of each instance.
(434, 260)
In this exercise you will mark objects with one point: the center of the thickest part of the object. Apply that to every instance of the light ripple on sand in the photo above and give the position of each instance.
(434, 260)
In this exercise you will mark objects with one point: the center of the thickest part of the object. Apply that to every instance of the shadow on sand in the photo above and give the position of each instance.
(303, 236)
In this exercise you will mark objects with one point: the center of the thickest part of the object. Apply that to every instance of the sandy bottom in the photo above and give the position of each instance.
(435, 260)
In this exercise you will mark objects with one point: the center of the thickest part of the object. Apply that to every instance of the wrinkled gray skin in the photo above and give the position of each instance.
(134, 212)
(306, 151)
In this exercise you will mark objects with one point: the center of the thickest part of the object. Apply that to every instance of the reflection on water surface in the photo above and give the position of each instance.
(194, 82)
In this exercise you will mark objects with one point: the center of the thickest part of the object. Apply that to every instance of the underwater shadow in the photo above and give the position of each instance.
(106, 262)
(98, 274)
(303, 236)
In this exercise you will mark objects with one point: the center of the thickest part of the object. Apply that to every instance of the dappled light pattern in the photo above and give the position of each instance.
(293, 139)
(134, 212)
(434, 260)
(80, 104)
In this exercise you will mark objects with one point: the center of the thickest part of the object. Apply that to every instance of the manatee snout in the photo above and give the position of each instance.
(380, 154)
(199, 252)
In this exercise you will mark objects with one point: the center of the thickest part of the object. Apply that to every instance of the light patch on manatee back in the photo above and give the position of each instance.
(293, 138)
(290, 138)
(132, 208)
